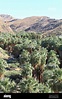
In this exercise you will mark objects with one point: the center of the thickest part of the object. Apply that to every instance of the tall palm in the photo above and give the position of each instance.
(38, 60)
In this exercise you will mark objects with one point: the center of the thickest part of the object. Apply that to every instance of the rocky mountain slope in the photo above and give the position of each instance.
(4, 27)
(38, 24)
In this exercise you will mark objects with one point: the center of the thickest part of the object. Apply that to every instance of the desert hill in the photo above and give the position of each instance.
(38, 24)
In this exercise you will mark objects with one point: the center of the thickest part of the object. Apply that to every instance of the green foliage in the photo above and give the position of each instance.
(47, 74)
(53, 61)
(39, 56)
(27, 70)
(6, 85)
(44, 89)
(33, 65)
(3, 65)
(53, 79)
(24, 56)
(29, 85)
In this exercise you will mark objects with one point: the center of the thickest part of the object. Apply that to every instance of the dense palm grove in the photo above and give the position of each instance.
(34, 64)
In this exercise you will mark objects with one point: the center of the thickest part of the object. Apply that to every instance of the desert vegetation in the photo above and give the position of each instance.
(30, 63)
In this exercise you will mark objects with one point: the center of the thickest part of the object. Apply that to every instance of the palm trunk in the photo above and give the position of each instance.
(39, 78)
(1, 75)
(56, 91)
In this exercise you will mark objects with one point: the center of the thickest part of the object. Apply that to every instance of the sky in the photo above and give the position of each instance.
(26, 8)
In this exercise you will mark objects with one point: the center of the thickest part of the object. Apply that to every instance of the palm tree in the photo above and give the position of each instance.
(39, 62)
(24, 57)
(57, 80)
(51, 43)
(31, 46)
(6, 85)
(53, 61)
(17, 50)
(29, 85)
(44, 89)
(3, 65)
(26, 70)
(47, 74)
(60, 51)
(53, 79)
